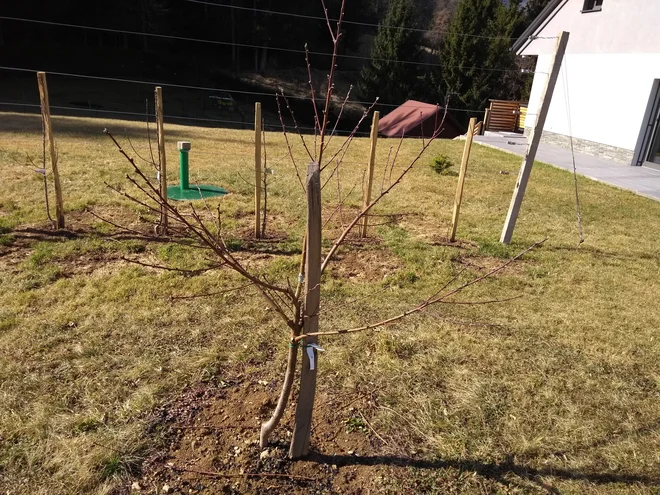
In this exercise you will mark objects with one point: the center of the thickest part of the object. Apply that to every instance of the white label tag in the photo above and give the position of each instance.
(310, 354)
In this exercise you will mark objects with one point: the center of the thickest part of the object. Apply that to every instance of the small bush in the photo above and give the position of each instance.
(442, 164)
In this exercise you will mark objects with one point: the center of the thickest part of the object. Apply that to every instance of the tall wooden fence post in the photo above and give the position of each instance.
(162, 161)
(370, 178)
(257, 170)
(461, 178)
(302, 429)
(487, 119)
(48, 129)
(534, 140)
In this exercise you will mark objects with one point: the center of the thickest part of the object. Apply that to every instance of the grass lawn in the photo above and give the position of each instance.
(557, 391)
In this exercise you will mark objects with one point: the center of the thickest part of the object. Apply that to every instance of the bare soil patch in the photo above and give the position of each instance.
(365, 265)
(212, 447)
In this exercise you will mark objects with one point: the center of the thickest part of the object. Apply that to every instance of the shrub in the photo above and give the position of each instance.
(441, 164)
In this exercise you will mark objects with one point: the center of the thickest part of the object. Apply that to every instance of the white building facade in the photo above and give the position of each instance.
(607, 97)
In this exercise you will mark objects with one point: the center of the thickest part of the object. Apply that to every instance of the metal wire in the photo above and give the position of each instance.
(246, 45)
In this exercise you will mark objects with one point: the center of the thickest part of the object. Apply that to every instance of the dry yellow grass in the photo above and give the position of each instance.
(559, 391)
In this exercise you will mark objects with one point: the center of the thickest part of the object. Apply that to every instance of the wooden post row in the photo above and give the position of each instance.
(534, 140)
(257, 170)
(48, 129)
(461, 178)
(370, 178)
(302, 428)
(162, 161)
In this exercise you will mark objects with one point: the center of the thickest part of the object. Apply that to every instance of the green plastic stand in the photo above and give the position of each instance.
(183, 192)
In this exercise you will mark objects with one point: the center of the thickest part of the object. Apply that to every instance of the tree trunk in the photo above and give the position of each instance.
(268, 427)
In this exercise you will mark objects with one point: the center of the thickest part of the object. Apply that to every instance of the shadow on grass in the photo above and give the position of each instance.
(495, 471)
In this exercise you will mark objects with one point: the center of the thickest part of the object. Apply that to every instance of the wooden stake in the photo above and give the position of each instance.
(370, 178)
(162, 167)
(48, 128)
(534, 140)
(257, 170)
(461, 178)
(302, 429)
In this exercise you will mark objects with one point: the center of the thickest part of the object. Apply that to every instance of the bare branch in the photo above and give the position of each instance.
(288, 145)
(331, 76)
(327, 19)
(351, 135)
(427, 302)
(167, 268)
(317, 122)
(295, 124)
(210, 294)
(339, 206)
(341, 111)
(363, 212)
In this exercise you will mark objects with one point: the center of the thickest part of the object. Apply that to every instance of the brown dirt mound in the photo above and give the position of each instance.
(213, 448)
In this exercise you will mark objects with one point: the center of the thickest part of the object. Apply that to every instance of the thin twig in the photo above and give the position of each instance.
(338, 206)
(168, 268)
(426, 303)
(341, 111)
(372, 428)
(295, 124)
(288, 145)
(365, 210)
(210, 294)
(217, 474)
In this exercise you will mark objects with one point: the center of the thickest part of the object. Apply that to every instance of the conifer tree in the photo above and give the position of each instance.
(475, 53)
(393, 82)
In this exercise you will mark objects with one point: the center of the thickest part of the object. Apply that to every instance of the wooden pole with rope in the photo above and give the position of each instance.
(534, 140)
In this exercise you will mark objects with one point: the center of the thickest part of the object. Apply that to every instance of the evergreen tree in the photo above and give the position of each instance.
(475, 53)
(393, 82)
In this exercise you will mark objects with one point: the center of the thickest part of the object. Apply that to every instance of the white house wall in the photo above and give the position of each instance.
(623, 26)
(612, 59)
(608, 94)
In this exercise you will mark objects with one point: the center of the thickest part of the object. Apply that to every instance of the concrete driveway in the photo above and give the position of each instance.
(641, 180)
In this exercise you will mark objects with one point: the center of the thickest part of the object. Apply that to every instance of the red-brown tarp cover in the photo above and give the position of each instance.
(408, 118)
(415, 118)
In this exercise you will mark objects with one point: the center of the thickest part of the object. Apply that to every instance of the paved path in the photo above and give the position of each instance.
(641, 180)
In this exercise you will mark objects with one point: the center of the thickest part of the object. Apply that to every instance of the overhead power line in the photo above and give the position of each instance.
(344, 21)
(243, 45)
(205, 88)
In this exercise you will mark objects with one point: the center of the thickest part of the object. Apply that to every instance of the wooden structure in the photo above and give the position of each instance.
(370, 178)
(303, 426)
(257, 170)
(50, 139)
(162, 162)
(461, 177)
(534, 140)
(505, 116)
(522, 117)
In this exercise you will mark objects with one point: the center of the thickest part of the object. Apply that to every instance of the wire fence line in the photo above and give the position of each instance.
(248, 45)
(149, 115)
(344, 21)
(210, 89)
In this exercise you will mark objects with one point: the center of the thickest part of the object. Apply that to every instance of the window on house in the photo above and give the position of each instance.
(592, 6)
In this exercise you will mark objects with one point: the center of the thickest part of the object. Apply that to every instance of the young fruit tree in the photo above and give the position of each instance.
(298, 305)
